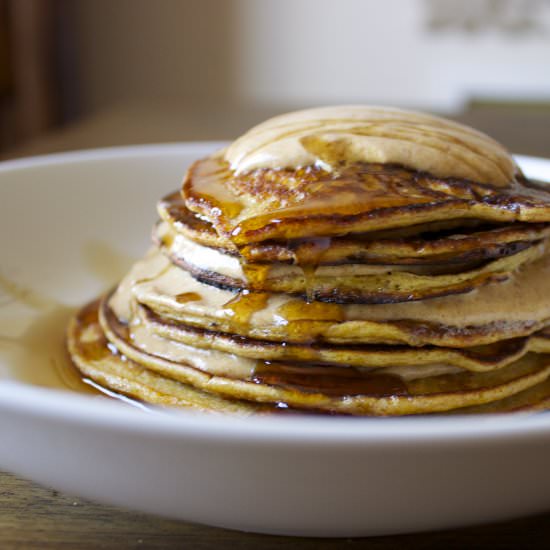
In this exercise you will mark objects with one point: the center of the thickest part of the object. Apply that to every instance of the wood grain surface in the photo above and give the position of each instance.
(34, 517)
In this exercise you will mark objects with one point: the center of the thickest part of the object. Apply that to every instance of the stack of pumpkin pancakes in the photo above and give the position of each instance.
(345, 260)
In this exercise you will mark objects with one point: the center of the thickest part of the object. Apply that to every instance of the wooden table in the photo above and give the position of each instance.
(35, 517)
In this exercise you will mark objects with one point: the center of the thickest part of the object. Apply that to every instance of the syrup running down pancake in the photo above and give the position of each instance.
(346, 260)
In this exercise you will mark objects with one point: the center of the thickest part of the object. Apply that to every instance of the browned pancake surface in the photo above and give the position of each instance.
(449, 241)
(309, 202)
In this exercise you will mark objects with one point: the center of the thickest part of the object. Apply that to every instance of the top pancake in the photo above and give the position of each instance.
(355, 171)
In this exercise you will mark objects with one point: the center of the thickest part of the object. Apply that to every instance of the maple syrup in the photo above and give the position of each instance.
(309, 255)
(255, 274)
(298, 310)
(206, 185)
(35, 350)
(244, 304)
(333, 381)
(33, 329)
(186, 297)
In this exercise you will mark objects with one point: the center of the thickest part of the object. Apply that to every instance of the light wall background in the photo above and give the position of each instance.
(432, 54)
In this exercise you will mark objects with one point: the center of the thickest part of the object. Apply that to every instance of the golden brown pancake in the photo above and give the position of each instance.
(476, 359)
(345, 390)
(454, 241)
(282, 204)
(347, 170)
(494, 312)
(536, 398)
(99, 361)
(342, 283)
(103, 364)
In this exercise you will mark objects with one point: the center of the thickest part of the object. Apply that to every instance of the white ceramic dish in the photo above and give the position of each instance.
(69, 225)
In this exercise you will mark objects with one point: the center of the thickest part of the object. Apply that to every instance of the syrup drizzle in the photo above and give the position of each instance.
(185, 297)
(256, 274)
(298, 310)
(244, 304)
(309, 255)
(207, 184)
(333, 381)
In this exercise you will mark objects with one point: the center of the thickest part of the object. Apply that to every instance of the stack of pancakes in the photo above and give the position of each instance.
(349, 260)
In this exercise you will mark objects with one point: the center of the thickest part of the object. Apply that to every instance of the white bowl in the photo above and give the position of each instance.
(68, 224)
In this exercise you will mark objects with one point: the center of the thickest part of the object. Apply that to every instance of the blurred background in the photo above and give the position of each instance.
(92, 73)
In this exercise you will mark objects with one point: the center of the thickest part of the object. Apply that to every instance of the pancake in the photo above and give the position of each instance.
(99, 361)
(476, 359)
(351, 170)
(310, 202)
(534, 399)
(495, 312)
(347, 283)
(345, 390)
(428, 243)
